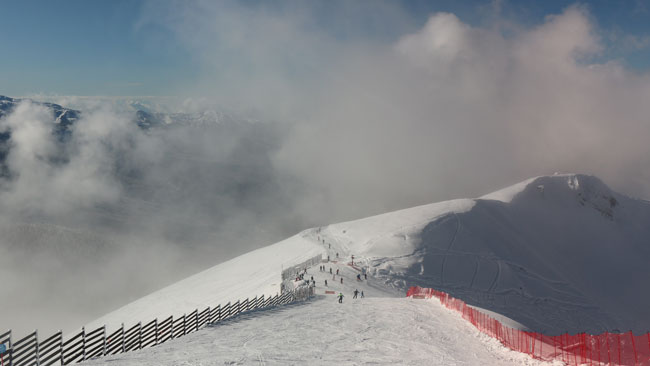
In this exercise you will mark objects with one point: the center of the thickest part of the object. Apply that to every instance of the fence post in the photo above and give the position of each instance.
(11, 351)
(171, 331)
(618, 337)
(156, 331)
(61, 345)
(104, 353)
(562, 347)
(597, 338)
(139, 335)
(575, 359)
(122, 337)
(184, 330)
(38, 360)
(633, 347)
(609, 356)
(196, 316)
(83, 337)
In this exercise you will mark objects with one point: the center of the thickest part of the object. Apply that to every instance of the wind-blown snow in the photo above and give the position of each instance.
(507, 194)
(393, 234)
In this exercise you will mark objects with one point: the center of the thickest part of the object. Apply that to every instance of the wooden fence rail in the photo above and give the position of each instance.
(54, 350)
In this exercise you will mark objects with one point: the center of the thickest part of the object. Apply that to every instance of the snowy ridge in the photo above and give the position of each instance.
(534, 253)
(253, 274)
(373, 330)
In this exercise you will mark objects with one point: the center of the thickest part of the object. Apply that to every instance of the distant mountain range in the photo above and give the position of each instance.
(62, 117)
(143, 116)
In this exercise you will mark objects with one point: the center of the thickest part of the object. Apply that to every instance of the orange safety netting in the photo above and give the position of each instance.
(577, 349)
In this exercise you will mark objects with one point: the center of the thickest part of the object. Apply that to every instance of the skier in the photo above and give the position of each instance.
(337, 271)
(325, 283)
(358, 277)
(356, 292)
(362, 294)
(340, 298)
(365, 275)
(330, 270)
(341, 280)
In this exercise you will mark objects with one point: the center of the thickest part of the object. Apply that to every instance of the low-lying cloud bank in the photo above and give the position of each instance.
(417, 115)
(345, 126)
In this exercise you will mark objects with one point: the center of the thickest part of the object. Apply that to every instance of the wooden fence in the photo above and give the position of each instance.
(54, 350)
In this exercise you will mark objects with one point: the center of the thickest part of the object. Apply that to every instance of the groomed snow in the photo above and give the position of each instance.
(369, 331)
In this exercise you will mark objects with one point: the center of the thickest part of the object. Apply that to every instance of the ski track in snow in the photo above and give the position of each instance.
(449, 250)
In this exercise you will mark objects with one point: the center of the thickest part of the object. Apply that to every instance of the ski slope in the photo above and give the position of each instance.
(555, 253)
(551, 254)
(254, 274)
(375, 330)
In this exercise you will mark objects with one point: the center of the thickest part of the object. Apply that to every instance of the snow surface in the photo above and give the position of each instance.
(375, 330)
(507, 194)
(553, 254)
(254, 274)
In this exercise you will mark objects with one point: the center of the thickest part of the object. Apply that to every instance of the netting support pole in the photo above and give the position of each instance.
(633, 347)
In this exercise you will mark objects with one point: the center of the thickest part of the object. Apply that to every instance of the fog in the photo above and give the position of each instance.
(315, 127)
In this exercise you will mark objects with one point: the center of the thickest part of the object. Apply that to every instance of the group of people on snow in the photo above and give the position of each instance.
(356, 293)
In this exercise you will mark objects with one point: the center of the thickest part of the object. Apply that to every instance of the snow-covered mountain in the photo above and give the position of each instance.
(145, 114)
(62, 119)
(554, 253)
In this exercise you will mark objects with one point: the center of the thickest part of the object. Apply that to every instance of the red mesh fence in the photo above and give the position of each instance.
(577, 349)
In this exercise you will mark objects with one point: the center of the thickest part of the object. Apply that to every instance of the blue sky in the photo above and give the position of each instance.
(114, 48)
